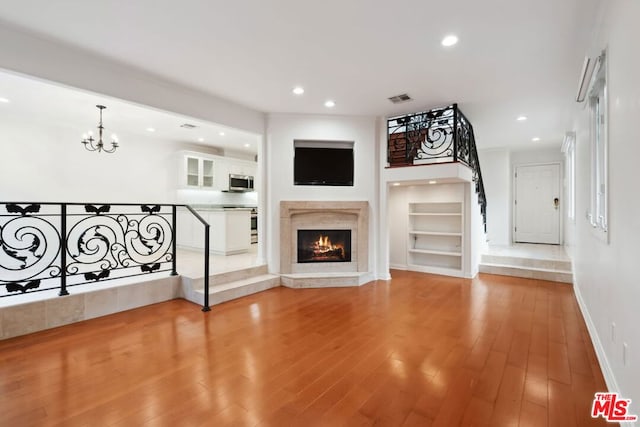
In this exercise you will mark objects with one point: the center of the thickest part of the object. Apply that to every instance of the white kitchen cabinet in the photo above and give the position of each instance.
(209, 172)
(187, 233)
(241, 167)
(197, 171)
(436, 238)
(229, 233)
(231, 166)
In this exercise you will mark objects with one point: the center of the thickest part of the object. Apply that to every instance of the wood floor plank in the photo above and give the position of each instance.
(508, 404)
(417, 350)
(491, 376)
(478, 413)
(533, 415)
(558, 364)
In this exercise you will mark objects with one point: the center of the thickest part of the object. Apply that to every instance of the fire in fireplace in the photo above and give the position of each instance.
(324, 246)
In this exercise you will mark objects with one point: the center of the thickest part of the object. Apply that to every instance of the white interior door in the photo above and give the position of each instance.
(537, 204)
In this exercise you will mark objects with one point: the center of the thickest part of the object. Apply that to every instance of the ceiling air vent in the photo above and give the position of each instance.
(400, 98)
(188, 126)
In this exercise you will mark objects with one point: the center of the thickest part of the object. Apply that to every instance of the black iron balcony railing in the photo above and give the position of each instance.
(46, 246)
(442, 135)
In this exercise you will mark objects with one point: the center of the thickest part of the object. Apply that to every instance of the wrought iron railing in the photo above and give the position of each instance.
(442, 135)
(45, 246)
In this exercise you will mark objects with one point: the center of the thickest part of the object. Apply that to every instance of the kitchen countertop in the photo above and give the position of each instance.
(221, 208)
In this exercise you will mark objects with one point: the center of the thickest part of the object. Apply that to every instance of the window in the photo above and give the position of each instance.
(598, 116)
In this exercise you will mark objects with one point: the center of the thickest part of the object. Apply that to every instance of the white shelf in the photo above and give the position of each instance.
(436, 243)
(435, 233)
(432, 252)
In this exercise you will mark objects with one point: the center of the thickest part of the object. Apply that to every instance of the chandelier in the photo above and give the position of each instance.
(88, 140)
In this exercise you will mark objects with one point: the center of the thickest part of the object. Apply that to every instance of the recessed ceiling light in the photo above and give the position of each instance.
(433, 182)
(521, 118)
(449, 40)
(298, 90)
(4, 100)
(200, 139)
(221, 133)
(247, 145)
(329, 104)
(395, 184)
(151, 130)
(535, 139)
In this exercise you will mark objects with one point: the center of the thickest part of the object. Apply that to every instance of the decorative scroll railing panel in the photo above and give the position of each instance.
(104, 241)
(30, 248)
(46, 246)
(442, 135)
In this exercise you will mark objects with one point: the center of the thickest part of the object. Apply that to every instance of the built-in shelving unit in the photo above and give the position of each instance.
(436, 236)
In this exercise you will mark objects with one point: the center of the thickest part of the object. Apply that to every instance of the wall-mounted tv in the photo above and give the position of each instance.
(323, 163)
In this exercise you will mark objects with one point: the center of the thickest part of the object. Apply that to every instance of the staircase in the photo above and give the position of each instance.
(517, 263)
(441, 135)
(226, 286)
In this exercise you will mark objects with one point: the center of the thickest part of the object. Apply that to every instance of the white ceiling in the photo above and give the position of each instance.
(513, 58)
(48, 104)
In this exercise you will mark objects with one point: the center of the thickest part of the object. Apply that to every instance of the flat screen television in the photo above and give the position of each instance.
(323, 165)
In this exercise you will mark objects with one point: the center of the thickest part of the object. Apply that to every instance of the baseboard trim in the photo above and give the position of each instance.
(605, 367)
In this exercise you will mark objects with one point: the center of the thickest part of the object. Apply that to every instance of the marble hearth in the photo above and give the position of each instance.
(333, 215)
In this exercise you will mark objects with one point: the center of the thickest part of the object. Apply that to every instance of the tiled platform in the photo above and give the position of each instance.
(191, 263)
(230, 277)
(529, 250)
(532, 261)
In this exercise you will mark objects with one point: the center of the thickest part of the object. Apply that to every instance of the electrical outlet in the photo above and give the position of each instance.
(613, 331)
(625, 353)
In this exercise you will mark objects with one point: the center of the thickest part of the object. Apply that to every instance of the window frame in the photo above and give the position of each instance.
(598, 214)
(569, 149)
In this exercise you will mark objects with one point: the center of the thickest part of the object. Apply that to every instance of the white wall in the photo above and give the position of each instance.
(477, 237)
(548, 154)
(498, 167)
(46, 163)
(496, 176)
(282, 130)
(606, 275)
(398, 219)
(49, 164)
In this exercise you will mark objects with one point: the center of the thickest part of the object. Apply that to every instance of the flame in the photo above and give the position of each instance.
(323, 244)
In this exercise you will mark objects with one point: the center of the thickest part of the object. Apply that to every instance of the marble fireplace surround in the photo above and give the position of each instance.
(295, 215)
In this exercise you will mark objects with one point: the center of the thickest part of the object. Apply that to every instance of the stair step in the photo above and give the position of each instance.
(237, 289)
(548, 264)
(549, 274)
(324, 280)
(228, 276)
(235, 275)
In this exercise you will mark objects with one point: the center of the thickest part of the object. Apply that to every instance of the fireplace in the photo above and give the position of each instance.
(324, 246)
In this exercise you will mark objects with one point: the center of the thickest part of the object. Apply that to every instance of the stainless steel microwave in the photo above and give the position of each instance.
(240, 183)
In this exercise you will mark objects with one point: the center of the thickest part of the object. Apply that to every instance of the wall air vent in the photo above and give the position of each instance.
(400, 98)
(188, 126)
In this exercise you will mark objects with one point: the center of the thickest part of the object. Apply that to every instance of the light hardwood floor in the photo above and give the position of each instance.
(420, 350)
